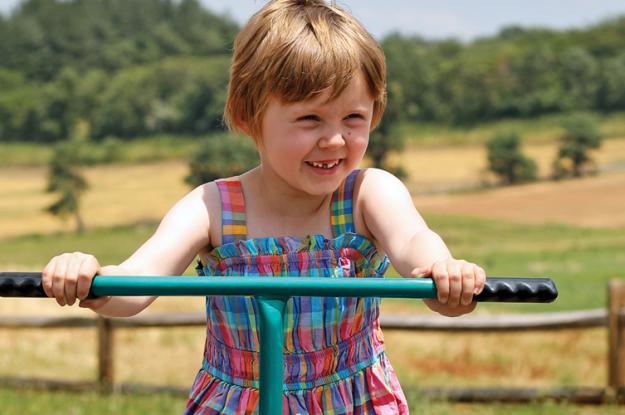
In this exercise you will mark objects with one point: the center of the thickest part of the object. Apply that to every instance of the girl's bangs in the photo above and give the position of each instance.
(307, 67)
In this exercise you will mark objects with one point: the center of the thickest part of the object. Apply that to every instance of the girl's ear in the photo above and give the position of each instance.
(242, 126)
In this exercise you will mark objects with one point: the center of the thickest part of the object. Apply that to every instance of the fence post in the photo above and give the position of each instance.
(105, 355)
(616, 335)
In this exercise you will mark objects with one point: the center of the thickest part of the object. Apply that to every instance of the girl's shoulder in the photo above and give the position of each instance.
(370, 187)
(208, 196)
(372, 183)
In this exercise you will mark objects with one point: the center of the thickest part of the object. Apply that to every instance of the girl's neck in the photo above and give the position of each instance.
(272, 194)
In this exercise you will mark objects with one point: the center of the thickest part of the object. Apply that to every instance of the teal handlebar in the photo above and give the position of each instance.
(263, 286)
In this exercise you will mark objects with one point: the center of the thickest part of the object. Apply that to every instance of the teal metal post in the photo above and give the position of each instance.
(271, 333)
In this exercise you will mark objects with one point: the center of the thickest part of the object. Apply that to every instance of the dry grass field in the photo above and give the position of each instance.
(123, 194)
(588, 202)
(118, 194)
(438, 169)
(432, 359)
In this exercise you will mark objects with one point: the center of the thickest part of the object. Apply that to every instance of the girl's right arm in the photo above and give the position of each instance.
(182, 233)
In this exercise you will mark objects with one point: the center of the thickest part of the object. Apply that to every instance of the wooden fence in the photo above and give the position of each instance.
(613, 318)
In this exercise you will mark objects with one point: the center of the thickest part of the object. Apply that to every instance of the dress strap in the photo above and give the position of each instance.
(342, 219)
(233, 223)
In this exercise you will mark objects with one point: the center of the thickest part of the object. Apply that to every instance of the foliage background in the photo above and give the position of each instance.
(149, 67)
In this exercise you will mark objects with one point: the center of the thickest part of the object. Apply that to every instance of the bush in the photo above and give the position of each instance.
(222, 155)
(506, 160)
(573, 159)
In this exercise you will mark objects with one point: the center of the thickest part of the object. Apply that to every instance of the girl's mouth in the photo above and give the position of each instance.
(325, 164)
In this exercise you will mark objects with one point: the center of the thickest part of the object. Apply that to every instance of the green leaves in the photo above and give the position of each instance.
(222, 156)
(506, 160)
(580, 136)
(65, 180)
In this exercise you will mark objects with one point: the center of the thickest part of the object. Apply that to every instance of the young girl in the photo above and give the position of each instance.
(308, 86)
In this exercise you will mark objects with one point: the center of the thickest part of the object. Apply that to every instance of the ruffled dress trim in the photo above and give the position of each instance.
(248, 255)
(373, 390)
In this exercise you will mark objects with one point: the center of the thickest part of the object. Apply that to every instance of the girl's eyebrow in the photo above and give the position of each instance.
(315, 108)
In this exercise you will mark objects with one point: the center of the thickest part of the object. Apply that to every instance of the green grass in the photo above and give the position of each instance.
(137, 150)
(544, 129)
(109, 245)
(580, 260)
(16, 402)
(20, 402)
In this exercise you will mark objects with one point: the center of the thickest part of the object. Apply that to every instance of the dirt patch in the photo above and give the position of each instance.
(592, 202)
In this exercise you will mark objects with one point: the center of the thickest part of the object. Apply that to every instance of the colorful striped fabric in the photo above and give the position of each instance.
(233, 223)
(341, 218)
(334, 355)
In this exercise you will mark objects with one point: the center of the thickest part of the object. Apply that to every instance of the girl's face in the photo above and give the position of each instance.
(313, 145)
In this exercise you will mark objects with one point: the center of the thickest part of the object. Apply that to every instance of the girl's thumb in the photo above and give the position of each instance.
(422, 272)
(95, 303)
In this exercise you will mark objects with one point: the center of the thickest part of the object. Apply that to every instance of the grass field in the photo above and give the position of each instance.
(581, 261)
(30, 402)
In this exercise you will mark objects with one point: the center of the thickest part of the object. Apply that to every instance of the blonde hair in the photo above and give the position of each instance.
(294, 50)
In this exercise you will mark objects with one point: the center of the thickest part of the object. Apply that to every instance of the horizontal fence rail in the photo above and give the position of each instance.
(566, 320)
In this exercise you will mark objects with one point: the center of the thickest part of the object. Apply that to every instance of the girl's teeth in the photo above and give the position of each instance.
(324, 165)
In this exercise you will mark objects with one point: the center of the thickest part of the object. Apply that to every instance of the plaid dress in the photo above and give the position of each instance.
(334, 356)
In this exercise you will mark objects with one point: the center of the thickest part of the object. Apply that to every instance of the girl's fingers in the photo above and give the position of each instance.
(71, 278)
(46, 277)
(58, 279)
(441, 278)
(480, 280)
(88, 269)
(468, 283)
(455, 283)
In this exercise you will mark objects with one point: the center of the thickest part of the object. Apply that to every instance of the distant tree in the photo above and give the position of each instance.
(506, 160)
(386, 137)
(580, 75)
(612, 91)
(581, 136)
(222, 155)
(65, 180)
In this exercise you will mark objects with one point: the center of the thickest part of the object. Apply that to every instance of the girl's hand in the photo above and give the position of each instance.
(68, 277)
(456, 283)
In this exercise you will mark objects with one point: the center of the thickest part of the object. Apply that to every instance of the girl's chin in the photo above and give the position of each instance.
(322, 184)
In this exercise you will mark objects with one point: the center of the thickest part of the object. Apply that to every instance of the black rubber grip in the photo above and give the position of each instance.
(21, 284)
(518, 290)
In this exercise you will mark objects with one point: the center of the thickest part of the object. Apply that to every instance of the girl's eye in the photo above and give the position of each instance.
(355, 116)
(308, 118)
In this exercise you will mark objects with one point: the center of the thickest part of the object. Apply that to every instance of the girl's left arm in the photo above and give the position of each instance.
(414, 249)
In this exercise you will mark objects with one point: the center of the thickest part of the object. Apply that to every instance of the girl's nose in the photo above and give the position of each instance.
(331, 139)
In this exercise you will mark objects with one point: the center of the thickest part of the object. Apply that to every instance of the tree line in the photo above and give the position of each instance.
(145, 67)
